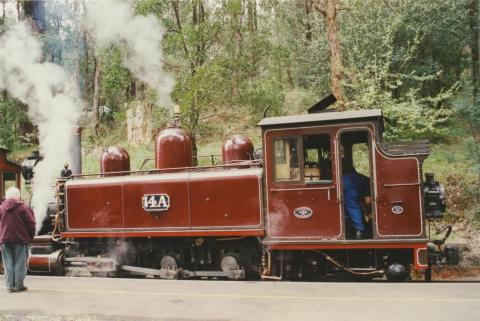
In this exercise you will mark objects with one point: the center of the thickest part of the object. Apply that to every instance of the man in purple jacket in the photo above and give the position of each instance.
(17, 229)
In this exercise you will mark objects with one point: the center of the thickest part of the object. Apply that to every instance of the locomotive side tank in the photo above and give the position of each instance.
(224, 202)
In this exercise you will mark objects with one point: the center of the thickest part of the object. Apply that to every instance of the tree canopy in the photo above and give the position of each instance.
(233, 59)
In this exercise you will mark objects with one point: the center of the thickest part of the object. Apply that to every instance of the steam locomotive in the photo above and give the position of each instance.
(273, 213)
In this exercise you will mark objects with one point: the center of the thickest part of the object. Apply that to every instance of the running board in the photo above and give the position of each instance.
(184, 274)
(162, 273)
(93, 266)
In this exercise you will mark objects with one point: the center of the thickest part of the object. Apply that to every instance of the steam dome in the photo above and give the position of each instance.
(114, 159)
(237, 148)
(173, 149)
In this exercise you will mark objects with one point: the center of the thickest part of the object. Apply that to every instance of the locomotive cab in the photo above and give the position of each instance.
(306, 201)
(9, 173)
(304, 177)
(303, 165)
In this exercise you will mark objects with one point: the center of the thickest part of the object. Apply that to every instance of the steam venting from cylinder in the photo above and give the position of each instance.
(54, 106)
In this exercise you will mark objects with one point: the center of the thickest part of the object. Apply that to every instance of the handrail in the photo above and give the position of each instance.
(232, 164)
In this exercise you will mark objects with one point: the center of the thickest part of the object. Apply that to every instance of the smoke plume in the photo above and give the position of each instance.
(53, 105)
(115, 23)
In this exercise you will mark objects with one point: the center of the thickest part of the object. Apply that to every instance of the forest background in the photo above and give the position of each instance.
(417, 60)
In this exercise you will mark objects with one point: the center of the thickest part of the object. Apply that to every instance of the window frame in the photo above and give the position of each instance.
(301, 161)
(325, 181)
(299, 156)
(2, 181)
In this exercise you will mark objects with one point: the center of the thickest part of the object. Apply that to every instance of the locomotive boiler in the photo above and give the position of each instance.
(278, 216)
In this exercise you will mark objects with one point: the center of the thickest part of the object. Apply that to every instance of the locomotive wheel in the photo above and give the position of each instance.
(168, 262)
(229, 263)
(397, 272)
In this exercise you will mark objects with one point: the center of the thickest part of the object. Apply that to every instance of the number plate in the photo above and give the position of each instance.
(155, 202)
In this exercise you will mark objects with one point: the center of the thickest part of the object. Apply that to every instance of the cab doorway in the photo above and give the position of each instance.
(356, 182)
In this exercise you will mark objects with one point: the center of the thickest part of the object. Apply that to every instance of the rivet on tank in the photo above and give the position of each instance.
(237, 148)
(173, 148)
(114, 159)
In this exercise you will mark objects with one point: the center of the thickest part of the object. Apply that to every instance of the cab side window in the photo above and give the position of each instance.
(318, 159)
(9, 180)
(286, 159)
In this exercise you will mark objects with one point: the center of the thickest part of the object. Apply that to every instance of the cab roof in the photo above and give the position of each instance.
(325, 117)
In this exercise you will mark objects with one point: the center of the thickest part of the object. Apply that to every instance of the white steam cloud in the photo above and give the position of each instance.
(115, 23)
(53, 105)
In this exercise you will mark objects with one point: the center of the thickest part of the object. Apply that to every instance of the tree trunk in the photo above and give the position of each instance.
(96, 93)
(308, 22)
(252, 28)
(475, 39)
(78, 54)
(475, 43)
(193, 140)
(238, 18)
(133, 89)
(35, 14)
(86, 77)
(18, 10)
(329, 11)
(2, 19)
(139, 128)
(251, 11)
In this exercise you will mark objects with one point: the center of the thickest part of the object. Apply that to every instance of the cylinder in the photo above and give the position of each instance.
(51, 263)
(114, 159)
(173, 149)
(237, 148)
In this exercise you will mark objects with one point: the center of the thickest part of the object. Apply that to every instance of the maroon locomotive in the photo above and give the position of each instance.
(274, 213)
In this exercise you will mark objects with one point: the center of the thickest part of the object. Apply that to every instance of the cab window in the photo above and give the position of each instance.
(318, 159)
(286, 159)
(9, 180)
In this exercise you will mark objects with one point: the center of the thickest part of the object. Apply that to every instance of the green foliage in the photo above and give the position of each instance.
(405, 62)
(262, 94)
(157, 7)
(469, 111)
(14, 124)
(60, 39)
(310, 57)
(116, 79)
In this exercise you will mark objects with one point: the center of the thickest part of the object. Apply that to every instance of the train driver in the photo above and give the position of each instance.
(356, 191)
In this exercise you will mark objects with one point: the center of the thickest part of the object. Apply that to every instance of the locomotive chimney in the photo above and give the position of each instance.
(76, 151)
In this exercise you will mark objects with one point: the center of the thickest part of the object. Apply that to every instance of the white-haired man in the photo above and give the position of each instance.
(17, 229)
